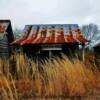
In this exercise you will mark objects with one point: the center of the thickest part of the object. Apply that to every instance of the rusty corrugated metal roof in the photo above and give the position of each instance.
(53, 33)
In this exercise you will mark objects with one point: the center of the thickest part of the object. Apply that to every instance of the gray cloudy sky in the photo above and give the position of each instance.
(23, 12)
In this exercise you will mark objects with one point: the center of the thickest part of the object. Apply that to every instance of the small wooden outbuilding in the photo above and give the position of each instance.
(6, 37)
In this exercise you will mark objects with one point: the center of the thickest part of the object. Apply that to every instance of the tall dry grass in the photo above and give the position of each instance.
(21, 77)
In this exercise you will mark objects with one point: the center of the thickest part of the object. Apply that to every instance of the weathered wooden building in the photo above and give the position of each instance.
(49, 40)
(6, 37)
(97, 50)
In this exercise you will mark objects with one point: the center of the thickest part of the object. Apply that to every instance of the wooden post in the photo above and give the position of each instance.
(50, 54)
(83, 53)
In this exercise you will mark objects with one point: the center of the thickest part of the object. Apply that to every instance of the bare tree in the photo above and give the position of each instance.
(17, 33)
(90, 32)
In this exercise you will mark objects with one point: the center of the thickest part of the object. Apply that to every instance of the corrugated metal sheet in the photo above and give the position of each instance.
(53, 33)
(25, 36)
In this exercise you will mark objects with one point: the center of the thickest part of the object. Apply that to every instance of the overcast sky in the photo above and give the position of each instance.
(22, 12)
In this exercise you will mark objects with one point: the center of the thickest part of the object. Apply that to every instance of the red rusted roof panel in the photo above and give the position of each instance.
(55, 33)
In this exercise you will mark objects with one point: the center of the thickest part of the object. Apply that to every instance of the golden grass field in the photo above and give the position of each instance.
(23, 79)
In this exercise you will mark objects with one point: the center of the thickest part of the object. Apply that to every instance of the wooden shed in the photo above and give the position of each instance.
(49, 40)
(6, 37)
(97, 50)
